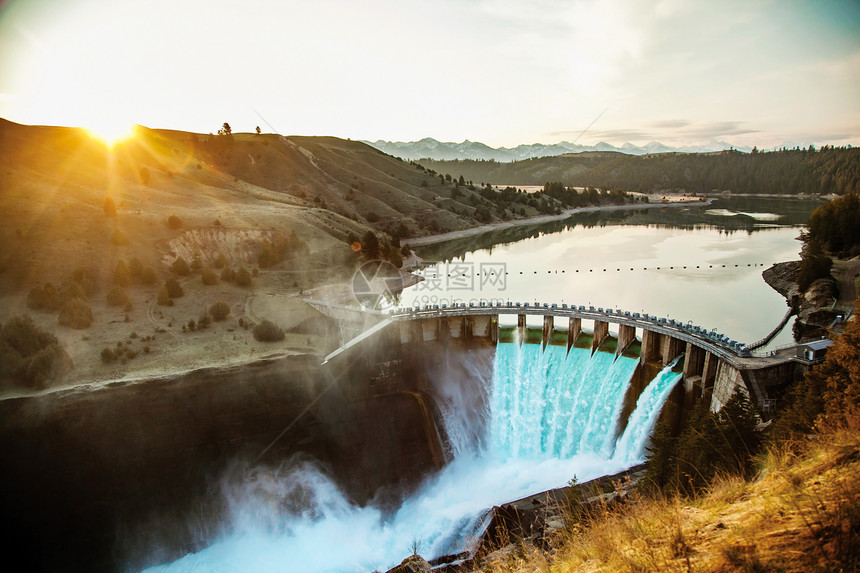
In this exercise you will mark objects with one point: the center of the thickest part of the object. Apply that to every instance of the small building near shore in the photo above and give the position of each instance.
(812, 351)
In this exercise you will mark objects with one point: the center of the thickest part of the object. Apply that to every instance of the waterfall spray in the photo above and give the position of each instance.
(544, 417)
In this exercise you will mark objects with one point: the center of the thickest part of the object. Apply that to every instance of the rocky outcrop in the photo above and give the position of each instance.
(814, 306)
(782, 277)
(412, 564)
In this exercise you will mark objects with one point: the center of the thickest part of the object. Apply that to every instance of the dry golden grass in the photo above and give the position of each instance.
(801, 514)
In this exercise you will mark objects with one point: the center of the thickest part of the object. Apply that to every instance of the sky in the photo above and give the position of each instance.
(503, 72)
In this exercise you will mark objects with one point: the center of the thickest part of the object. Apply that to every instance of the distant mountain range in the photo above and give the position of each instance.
(429, 148)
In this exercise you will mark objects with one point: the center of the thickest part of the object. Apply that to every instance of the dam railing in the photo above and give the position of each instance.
(710, 340)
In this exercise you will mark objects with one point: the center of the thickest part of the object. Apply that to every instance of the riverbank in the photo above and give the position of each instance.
(442, 237)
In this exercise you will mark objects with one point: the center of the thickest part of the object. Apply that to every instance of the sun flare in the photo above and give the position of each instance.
(111, 133)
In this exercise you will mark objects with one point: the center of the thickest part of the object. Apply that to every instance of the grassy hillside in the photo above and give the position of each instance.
(108, 226)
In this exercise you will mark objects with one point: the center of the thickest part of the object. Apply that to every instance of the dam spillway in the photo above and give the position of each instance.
(526, 420)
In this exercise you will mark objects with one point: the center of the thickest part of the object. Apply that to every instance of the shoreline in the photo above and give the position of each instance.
(443, 237)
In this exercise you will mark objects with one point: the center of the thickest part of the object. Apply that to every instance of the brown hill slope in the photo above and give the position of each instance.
(70, 203)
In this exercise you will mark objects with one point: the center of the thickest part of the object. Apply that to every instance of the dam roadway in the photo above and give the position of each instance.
(713, 365)
(735, 353)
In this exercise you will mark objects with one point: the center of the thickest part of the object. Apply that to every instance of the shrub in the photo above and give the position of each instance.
(108, 356)
(117, 296)
(70, 291)
(135, 267)
(243, 277)
(220, 261)
(209, 277)
(174, 289)
(118, 238)
(45, 297)
(228, 275)
(164, 297)
(220, 310)
(204, 321)
(85, 279)
(174, 222)
(76, 313)
(29, 355)
(268, 331)
(180, 267)
(192, 325)
(109, 207)
(121, 274)
(148, 276)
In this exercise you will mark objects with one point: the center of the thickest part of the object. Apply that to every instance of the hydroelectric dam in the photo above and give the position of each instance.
(408, 432)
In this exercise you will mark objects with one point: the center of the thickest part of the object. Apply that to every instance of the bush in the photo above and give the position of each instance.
(121, 274)
(118, 238)
(243, 277)
(148, 276)
(204, 321)
(220, 311)
(220, 261)
(180, 267)
(135, 267)
(43, 298)
(30, 356)
(174, 222)
(268, 331)
(85, 279)
(108, 356)
(109, 207)
(117, 296)
(76, 313)
(164, 297)
(209, 277)
(174, 289)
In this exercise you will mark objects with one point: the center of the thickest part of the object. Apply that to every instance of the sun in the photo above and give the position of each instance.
(111, 133)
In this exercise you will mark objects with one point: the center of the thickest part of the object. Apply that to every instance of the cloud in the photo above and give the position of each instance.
(717, 129)
(622, 135)
(670, 124)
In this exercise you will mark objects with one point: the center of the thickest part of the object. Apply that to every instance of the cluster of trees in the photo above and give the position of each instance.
(836, 225)
(826, 399)
(70, 299)
(281, 248)
(29, 356)
(788, 171)
(833, 229)
(829, 170)
(571, 197)
(709, 444)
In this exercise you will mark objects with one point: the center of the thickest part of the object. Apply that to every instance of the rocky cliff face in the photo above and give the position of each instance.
(814, 306)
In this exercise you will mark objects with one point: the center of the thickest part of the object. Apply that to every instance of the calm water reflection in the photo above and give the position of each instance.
(710, 262)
